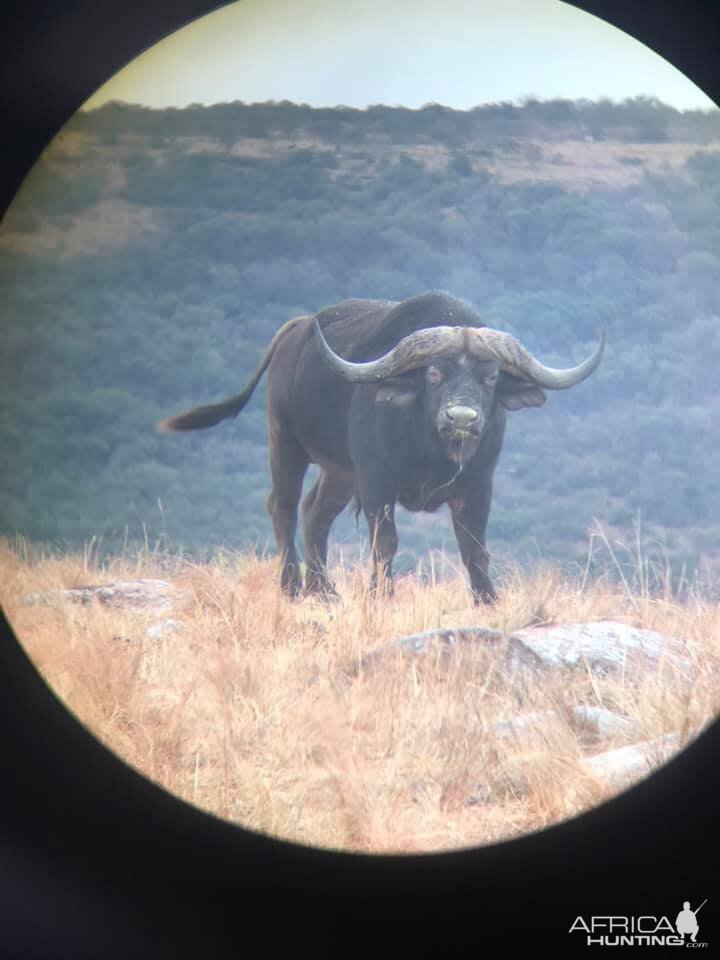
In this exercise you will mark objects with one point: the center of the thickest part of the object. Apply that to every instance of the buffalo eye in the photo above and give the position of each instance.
(434, 376)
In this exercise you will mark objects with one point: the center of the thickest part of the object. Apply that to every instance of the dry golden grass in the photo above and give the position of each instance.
(256, 710)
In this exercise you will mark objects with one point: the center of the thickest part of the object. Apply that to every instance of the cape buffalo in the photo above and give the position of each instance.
(397, 402)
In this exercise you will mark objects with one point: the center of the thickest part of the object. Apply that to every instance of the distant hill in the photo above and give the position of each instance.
(151, 254)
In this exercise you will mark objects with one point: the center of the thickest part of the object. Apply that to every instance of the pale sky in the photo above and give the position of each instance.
(459, 53)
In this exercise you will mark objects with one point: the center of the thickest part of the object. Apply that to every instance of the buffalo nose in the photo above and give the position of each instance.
(461, 417)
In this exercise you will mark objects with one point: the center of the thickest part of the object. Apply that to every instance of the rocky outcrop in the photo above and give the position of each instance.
(604, 646)
(146, 594)
(535, 654)
(442, 641)
(626, 765)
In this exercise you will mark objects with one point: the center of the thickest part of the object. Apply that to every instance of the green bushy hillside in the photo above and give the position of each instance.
(151, 255)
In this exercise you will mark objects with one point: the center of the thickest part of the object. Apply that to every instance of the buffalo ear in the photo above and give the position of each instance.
(515, 394)
(401, 392)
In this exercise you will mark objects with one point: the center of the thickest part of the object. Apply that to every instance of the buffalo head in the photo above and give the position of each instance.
(458, 374)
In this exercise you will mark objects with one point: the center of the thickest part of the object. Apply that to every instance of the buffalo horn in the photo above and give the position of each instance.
(409, 353)
(418, 348)
(515, 359)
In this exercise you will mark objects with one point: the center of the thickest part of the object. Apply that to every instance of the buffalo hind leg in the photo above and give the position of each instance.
(326, 499)
(288, 463)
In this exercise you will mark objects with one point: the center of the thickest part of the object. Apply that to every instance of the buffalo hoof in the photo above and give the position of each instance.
(291, 587)
(322, 591)
(292, 593)
(486, 595)
(382, 587)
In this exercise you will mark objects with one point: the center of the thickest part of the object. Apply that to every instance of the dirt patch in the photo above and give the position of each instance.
(104, 227)
(68, 145)
(579, 164)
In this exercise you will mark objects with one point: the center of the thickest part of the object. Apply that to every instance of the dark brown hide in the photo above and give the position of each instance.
(429, 436)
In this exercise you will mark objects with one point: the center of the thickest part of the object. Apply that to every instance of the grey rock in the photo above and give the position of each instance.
(147, 594)
(619, 768)
(32, 599)
(163, 627)
(605, 646)
(481, 794)
(601, 722)
(443, 641)
(524, 723)
(583, 718)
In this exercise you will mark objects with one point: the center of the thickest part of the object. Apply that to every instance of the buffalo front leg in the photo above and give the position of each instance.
(377, 495)
(326, 499)
(469, 522)
(384, 544)
(288, 463)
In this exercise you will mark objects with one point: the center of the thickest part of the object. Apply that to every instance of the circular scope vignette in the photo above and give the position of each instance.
(356, 412)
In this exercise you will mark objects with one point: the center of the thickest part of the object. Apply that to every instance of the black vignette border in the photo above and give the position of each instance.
(149, 897)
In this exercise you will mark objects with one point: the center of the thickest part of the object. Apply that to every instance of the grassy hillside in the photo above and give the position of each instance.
(257, 710)
(151, 255)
